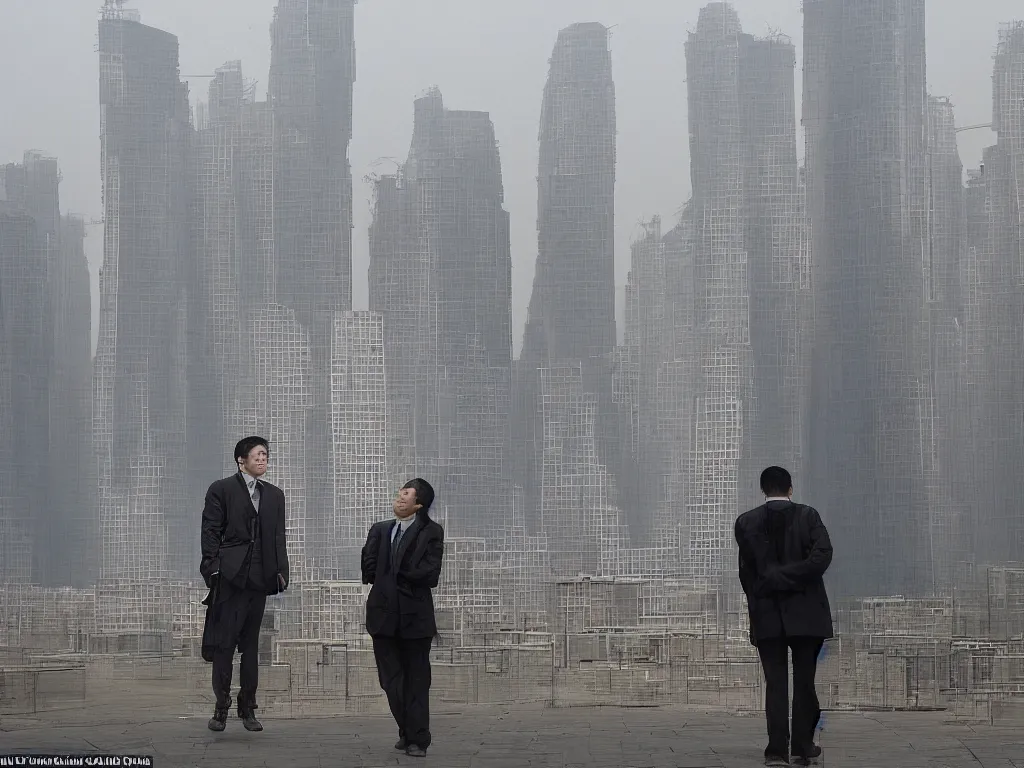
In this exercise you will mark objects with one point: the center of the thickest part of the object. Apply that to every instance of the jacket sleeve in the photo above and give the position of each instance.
(748, 576)
(212, 530)
(427, 571)
(281, 544)
(812, 567)
(368, 557)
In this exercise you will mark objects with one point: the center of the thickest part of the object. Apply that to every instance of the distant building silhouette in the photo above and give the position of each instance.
(571, 317)
(440, 275)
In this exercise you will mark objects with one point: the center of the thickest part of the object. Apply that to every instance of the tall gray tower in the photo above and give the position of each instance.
(312, 74)
(440, 274)
(147, 531)
(571, 318)
(870, 449)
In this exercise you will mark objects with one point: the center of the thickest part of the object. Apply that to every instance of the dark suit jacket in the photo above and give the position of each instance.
(400, 603)
(229, 524)
(785, 595)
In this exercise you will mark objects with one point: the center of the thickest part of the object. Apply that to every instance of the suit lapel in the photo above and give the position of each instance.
(245, 492)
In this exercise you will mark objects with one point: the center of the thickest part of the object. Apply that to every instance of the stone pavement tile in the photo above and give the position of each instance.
(541, 738)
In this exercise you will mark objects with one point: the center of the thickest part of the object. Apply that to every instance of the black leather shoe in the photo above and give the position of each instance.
(415, 750)
(250, 722)
(401, 744)
(219, 720)
(811, 758)
(247, 715)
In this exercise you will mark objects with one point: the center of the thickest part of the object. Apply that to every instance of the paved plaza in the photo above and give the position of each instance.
(489, 737)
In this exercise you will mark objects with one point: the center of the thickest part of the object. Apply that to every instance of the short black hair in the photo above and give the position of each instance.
(244, 447)
(776, 481)
(424, 492)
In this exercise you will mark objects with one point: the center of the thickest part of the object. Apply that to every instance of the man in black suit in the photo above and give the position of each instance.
(402, 560)
(244, 561)
(784, 552)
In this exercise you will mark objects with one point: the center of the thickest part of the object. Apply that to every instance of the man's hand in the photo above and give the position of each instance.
(281, 583)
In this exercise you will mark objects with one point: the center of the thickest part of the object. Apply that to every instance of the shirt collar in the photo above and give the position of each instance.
(248, 479)
(777, 498)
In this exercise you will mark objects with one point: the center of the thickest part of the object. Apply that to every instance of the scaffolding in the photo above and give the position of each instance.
(359, 466)
(586, 532)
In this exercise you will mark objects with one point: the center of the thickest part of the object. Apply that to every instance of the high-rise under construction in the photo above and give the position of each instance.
(440, 274)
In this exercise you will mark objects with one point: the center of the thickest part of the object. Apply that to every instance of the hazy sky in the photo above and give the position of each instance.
(489, 55)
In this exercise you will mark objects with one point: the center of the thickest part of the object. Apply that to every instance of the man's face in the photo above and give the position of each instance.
(405, 503)
(255, 464)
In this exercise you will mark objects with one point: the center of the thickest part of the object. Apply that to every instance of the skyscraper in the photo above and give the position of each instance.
(73, 557)
(571, 319)
(441, 277)
(148, 533)
(994, 306)
(724, 401)
(870, 447)
(312, 72)
(24, 370)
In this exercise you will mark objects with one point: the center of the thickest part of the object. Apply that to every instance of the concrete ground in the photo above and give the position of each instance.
(489, 737)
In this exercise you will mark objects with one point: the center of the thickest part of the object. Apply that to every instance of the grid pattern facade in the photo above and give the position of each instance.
(284, 401)
(440, 275)
(232, 275)
(871, 441)
(359, 465)
(312, 72)
(778, 258)
(147, 533)
(724, 407)
(571, 314)
(586, 532)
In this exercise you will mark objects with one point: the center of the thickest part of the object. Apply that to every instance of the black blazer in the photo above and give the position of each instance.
(229, 521)
(400, 603)
(785, 596)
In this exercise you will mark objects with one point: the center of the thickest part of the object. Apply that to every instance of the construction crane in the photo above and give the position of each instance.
(973, 127)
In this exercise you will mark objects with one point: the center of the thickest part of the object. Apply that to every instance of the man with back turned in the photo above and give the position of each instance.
(402, 560)
(244, 561)
(784, 551)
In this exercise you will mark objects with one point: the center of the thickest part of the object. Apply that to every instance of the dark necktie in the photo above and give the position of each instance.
(394, 543)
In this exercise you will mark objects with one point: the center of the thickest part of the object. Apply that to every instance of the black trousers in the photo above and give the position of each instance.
(403, 668)
(774, 655)
(239, 617)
